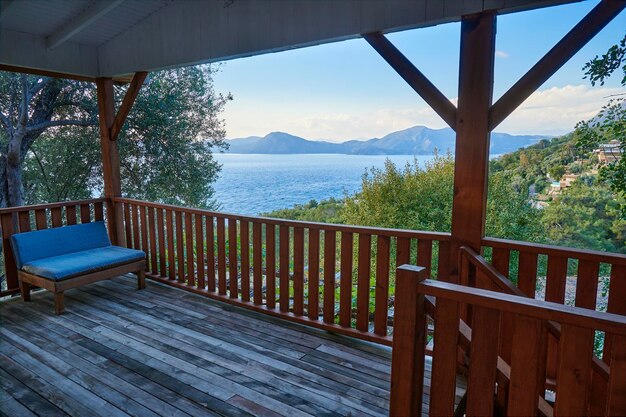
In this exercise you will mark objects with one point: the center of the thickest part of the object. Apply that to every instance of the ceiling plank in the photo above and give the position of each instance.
(565, 49)
(6, 8)
(414, 77)
(97, 11)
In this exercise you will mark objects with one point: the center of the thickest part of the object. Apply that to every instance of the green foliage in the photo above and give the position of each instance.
(586, 216)
(325, 211)
(610, 123)
(63, 164)
(167, 143)
(410, 198)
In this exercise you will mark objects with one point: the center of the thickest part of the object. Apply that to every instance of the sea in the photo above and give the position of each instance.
(252, 184)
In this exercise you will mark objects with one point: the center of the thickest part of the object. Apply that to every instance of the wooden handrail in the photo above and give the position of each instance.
(507, 286)
(542, 249)
(544, 310)
(438, 236)
(34, 207)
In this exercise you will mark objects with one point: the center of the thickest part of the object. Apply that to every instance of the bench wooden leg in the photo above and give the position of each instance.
(141, 279)
(59, 302)
(25, 290)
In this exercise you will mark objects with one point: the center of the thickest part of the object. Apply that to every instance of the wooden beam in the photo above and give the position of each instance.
(127, 104)
(476, 74)
(414, 77)
(571, 43)
(110, 158)
(75, 26)
(24, 70)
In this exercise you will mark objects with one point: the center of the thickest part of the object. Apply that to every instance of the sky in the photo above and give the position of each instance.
(345, 90)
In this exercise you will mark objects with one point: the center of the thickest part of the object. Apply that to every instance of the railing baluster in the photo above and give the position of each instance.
(85, 213)
(616, 304)
(200, 250)
(210, 253)
(574, 370)
(403, 251)
(587, 284)
(24, 219)
(40, 219)
(221, 256)
(8, 229)
(501, 259)
(161, 237)
(233, 275)
(135, 216)
(144, 234)
(527, 273)
(443, 377)
(314, 274)
(189, 235)
(244, 232)
(180, 247)
(330, 249)
(345, 283)
(284, 268)
(257, 261)
(153, 241)
(298, 271)
(528, 366)
(128, 226)
(443, 262)
(425, 254)
(363, 282)
(98, 211)
(171, 251)
(617, 378)
(57, 216)
(270, 265)
(555, 292)
(483, 361)
(381, 310)
(70, 214)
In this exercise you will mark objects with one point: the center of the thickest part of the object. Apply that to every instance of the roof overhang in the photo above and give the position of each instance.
(113, 38)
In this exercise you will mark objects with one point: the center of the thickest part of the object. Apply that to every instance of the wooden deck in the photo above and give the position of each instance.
(162, 351)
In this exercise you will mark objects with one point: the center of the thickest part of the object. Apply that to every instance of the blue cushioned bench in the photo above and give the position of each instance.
(66, 257)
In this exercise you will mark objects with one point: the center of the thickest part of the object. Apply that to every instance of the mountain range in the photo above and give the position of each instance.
(417, 140)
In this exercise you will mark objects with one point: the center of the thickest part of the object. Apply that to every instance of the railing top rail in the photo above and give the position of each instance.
(562, 251)
(19, 209)
(439, 236)
(612, 323)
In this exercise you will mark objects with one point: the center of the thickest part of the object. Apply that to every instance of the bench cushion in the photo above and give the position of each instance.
(79, 263)
(41, 244)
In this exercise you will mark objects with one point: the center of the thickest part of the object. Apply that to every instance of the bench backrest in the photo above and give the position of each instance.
(31, 246)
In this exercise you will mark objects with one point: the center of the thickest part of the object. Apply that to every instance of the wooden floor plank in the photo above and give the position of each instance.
(163, 351)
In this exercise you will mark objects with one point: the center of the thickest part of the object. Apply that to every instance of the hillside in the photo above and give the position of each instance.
(417, 140)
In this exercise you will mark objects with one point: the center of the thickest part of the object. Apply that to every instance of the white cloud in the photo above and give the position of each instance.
(557, 110)
(501, 54)
(552, 111)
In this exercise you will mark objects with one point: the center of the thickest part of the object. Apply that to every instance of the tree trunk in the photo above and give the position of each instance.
(15, 189)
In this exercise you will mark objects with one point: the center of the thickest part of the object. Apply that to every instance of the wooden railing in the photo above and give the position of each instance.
(26, 218)
(339, 278)
(529, 355)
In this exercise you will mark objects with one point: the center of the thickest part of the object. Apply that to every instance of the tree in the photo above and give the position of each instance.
(610, 123)
(30, 106)
(165, 146)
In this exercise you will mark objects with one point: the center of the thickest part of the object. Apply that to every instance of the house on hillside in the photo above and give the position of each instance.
(609, 152)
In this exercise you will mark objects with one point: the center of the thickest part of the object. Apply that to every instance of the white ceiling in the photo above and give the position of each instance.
(117, 37)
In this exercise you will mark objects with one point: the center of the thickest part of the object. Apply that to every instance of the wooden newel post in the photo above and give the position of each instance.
(409, 342)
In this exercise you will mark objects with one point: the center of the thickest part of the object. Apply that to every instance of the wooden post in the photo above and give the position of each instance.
(409, 339)
(110, 127)
(110, 159)
(476, 69)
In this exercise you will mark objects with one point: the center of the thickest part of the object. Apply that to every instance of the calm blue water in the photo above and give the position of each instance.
(253, 184)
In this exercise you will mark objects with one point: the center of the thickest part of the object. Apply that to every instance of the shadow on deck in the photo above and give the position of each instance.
(164, 351)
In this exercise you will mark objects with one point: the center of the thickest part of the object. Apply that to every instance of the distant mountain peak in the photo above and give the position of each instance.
(415, 140)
